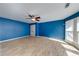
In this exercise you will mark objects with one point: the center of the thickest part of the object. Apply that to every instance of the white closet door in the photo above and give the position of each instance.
(32, 30)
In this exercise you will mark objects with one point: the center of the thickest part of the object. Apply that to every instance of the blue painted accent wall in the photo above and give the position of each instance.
(72, 16)
(53, 29)
(11, 29)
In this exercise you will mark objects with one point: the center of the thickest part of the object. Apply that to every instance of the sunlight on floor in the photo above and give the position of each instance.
(58, 40)
(70, 50)
(71, 53)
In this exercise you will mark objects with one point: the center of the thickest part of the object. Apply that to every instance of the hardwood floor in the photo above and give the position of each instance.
(37, 46)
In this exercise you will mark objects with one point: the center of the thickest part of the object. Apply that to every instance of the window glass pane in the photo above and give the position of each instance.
(78, 24)
(78, 28)
(69, 30)
(69, 25)
(78, 37)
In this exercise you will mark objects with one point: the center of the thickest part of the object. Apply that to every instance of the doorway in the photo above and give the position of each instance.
(32, 30)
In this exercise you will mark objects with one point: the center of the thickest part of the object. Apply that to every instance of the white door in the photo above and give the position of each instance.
(32, 30)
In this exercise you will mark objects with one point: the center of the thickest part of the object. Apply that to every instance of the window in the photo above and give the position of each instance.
(78, 28)
(69, 30)
(72, 30)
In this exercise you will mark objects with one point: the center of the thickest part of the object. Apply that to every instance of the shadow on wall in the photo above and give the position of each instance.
(11, 29)
(53, 29)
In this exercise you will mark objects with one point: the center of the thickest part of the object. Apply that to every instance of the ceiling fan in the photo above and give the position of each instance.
(34, 18)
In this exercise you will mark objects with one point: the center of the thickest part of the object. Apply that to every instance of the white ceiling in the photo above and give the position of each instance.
(47, 11)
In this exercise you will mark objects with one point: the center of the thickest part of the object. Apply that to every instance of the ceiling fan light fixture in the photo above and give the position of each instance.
(33, 19)
(36, 19)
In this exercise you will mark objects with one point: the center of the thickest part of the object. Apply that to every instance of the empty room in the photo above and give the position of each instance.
(39, 29)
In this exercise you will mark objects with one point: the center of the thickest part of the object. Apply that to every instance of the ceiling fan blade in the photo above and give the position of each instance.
(28, 18)
(31, 16)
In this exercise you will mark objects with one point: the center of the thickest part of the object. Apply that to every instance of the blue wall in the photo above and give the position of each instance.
(53, 29)
(72, 16)
(12, 29)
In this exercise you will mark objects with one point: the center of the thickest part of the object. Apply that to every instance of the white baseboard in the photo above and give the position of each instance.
(13, 39)
(51, 39)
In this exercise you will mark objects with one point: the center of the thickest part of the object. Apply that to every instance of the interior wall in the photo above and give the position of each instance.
(72, 16)
(53, 29)
(12, 29)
